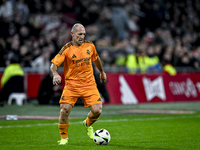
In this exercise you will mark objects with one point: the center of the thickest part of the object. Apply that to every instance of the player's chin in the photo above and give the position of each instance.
(80, 41)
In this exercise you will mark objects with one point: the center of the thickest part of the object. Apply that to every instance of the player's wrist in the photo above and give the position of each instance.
(102, 72)
(55, 74)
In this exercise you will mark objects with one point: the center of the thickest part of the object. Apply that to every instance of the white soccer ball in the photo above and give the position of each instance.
(101, 137)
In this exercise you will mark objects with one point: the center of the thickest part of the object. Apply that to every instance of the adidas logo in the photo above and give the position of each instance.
(88, 52)
(74, 56)
(99, 99)
(63, 133)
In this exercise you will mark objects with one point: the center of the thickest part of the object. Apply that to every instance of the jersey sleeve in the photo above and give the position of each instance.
(95, 54)
(60, 57)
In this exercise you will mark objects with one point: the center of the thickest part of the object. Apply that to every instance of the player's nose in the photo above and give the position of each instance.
(82, 37)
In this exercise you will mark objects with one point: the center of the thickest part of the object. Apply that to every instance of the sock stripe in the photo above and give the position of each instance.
(90, 121)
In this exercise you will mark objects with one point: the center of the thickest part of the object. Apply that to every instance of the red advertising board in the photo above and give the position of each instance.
(134, 89)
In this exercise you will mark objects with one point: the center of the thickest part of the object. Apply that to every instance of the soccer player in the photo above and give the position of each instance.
(77, 57)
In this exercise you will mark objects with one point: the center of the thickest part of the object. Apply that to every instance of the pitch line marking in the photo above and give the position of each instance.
(157, 111)
(106, 120)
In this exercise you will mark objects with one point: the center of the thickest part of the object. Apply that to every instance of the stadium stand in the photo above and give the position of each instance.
(117, 27)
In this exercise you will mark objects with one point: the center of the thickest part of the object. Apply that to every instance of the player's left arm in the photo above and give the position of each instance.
(99, 66)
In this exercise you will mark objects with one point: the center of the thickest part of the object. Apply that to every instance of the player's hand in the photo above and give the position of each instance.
(56, 79)
(103, 77)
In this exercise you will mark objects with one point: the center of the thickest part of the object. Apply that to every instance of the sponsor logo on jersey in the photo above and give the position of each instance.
(99, 99)
(82, 61)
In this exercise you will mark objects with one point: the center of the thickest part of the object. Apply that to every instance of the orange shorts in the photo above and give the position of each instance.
(90, 95)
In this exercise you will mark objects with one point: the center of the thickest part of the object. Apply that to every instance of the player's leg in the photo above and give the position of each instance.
(92, 99)
(67, 101)
(93, 115)
(63, 125)
(65, 110)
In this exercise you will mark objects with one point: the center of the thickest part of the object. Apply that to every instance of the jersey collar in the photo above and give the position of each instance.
(73, 43)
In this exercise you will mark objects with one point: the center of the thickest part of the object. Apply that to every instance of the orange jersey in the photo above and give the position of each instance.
(77, 61)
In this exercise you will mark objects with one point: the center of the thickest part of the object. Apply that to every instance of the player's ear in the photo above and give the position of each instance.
(72, 33)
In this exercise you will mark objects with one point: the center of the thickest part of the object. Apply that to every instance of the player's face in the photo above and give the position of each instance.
(78, 36)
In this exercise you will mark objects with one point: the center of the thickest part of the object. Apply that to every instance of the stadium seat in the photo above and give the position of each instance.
(18, 97)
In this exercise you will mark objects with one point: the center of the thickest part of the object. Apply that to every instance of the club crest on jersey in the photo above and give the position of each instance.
(74, 56)
(88, 52)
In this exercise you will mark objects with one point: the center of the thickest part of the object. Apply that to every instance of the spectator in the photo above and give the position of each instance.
(92, 32)
(185, 61)
(48, 7)
(26, 62)
(89, 13)
(133, 24)
(41, 64)
(108, 30)
(6, 10)
(167, 67)
(24, 34)
(12, 79)
(120, 19)
(2, 52)
(132, 65)
(14, 48)
(133, 42)
(105, 58)
(22, 52)
(104, 43)
(143, 61)
(154, 65)
(49, 93)
(22, 11)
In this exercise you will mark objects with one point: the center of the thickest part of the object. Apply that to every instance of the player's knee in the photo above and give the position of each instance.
(97, 111)
(64, 112)
(65, 109)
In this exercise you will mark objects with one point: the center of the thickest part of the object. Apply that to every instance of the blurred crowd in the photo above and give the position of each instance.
(141, 35)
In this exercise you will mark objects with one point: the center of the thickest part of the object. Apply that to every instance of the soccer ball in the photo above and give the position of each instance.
(101, 137)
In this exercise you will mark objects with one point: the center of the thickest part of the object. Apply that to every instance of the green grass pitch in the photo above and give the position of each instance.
(134, 131)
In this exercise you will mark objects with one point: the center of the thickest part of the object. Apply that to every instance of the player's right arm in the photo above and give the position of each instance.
(56, 76)
(57, 61)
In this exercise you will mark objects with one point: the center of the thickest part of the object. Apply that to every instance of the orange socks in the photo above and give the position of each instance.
(90, 121)
(63, 130)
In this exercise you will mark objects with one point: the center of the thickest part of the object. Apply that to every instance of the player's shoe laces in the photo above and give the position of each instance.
(89, 130)
(63, 141)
